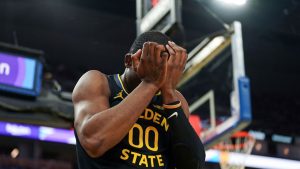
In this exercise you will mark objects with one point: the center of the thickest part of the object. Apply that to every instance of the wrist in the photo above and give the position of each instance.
(173, 105)
(153, 87)
(169, 96)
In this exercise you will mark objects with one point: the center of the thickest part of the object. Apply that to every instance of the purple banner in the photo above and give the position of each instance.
(37, 132)
(57, 135)
(19, 130)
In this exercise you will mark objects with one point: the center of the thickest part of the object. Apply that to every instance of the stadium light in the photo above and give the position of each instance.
(14, 153)
(234, 2)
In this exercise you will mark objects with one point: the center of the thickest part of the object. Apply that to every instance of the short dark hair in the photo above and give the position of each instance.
(150, 36)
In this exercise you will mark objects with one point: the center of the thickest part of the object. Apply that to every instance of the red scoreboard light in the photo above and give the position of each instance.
(160, 15)
(154, 2)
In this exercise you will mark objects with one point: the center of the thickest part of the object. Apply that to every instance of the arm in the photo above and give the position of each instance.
(95, 120)
(186, 147)
(170, 96)
(100, 127)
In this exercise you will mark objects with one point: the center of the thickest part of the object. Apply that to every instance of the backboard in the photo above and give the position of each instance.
(160, 15)
(216, 87)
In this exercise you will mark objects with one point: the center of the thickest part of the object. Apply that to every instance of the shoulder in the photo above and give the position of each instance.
(185, 105)
(91, 83)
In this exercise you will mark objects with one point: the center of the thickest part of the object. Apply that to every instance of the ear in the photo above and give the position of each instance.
(127, 60)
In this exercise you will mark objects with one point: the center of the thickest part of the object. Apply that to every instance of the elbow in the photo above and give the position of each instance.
(94, 147)
(94, 150)
(93, 143)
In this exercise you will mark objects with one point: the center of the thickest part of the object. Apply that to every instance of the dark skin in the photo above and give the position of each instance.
(145, 74)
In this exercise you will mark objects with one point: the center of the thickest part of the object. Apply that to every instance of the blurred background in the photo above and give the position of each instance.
(69, 37)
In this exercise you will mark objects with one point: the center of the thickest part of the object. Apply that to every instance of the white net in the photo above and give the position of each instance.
(235, 150)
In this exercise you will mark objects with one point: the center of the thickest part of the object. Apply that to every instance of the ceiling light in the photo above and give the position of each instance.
(234, 2)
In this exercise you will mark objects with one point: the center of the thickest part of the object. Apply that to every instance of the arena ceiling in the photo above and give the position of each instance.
(80, 35)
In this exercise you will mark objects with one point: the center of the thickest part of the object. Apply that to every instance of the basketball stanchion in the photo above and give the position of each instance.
(235, 150)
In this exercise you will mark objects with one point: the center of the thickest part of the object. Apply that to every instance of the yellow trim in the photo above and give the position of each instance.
(158, 107)
(122, 84)
(174, 106)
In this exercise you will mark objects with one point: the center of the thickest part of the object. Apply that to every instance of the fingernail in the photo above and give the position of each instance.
(173, 43)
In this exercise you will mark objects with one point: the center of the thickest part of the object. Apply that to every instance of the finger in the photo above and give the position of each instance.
(145, 51)
(180, 54)
(170, 50)
(183, 56)
(164, 54)
(164, 61)
(174, 46)
(172, 55)
(158, 53)
(136, 59)
(151, 54)
(175, 59)
(184, 61)
(138, 52)
(164, 58)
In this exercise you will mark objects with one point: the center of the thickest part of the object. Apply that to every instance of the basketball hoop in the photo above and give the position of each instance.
(235, 150)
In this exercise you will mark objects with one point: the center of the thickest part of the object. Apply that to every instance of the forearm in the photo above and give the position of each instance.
(187, 148)
(110, 126)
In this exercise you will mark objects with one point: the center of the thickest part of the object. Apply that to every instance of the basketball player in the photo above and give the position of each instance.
(137, 119)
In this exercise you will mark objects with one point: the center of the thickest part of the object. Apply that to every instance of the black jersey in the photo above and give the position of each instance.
(145, 146)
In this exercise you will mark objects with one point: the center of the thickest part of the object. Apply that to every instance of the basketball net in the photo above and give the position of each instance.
(235, 150)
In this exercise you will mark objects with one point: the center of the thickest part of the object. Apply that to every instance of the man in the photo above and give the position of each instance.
(138, 119)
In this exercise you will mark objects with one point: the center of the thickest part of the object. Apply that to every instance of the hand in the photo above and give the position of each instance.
(151, 66)
(176, 64)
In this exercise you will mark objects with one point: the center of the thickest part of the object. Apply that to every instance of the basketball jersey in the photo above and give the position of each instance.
(145, 146)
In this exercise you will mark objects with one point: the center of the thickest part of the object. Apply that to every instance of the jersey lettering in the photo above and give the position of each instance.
(156, 118)
(142, 159)
(139, 129)
(146, 138)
